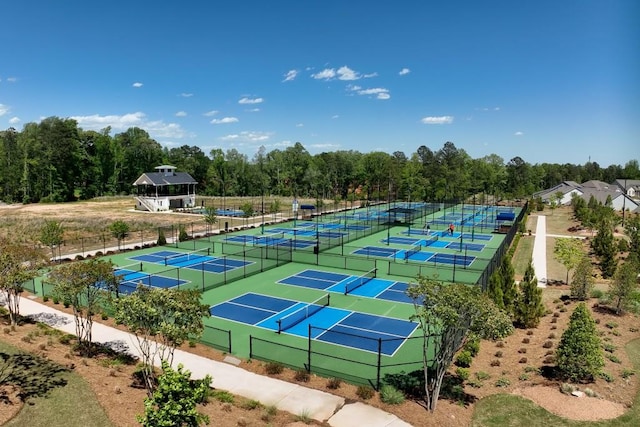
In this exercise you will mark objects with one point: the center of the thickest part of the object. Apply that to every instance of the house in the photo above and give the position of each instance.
(629, 186)
(599, 190)
(165, 190)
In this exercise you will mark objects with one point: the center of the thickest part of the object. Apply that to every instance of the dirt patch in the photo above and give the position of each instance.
(583, 408)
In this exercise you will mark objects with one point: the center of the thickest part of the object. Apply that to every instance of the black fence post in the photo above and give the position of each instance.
(309, 350)
(250, 347)
(379, 363)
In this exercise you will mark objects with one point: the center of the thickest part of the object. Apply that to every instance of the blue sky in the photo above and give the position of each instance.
(548, 81)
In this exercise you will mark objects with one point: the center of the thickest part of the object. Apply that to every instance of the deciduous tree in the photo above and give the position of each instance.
(120, 230)
(624, 286)
(583, 280)
(448, 314)
(569, 252)
(51, 235)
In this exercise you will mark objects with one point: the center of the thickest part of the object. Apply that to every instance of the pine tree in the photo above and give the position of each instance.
(604, 247)
(579, 355)
(494, 289)
(582, 281)
(509, 289)
(621, 289)
(529, 308)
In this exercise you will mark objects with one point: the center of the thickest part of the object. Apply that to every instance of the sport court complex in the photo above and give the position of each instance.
(327, 293)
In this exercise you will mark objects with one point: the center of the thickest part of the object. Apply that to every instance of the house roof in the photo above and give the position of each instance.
(626, 184)
(165, 178)
(563, 187)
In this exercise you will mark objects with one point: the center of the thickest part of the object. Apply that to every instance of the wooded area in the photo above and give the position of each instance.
(55, 161)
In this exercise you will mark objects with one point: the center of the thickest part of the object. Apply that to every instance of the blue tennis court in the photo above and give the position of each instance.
(332, 325)
(131, 279)
(377, 251)
(336, 282)
(465, 246)
(444, 233)
(199, 260)
(247, 239)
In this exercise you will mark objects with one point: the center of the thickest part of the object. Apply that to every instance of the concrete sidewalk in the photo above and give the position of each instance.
(293, 398)
(539, 254)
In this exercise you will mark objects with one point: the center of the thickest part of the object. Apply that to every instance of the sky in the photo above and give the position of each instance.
(548, 81)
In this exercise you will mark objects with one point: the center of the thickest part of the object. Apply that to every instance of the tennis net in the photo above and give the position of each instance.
(412, 251)
(187, 257)
(269, 239)
(361, 280)
(127, 270)
(292, 319)
(431, 240)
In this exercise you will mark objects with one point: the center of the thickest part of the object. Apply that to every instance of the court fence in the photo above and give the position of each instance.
(358, 367)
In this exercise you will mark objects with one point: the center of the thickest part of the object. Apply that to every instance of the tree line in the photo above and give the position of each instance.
(56, 161)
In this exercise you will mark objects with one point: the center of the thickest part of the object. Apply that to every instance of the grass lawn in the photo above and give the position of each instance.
(68, 406)
(522, 256)
(501, 410)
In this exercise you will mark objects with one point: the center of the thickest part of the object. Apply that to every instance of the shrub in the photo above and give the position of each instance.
(553, 327)
(462, 373)
(563, 310)
(532, 369)
(552, 336)
(365, 392)
(66, 339)
(626, 373)
(334, 383)
(104, 316)
(522, 360)
(56, 300)
(251, 404)
(522, 351)
(607, 377)
(464, 359)
(7, 330)
(524, 377)
(270, 411)
(391, 395)
(302, 375)
(475, 383)
(472, 345)
(495, 362)
(498, 354)
(596, 293)
(526, 341)
(45, 298)
(503, 382)
(273, 368)
(554, 320)
(547, 344)
(611, 325)
(613, 358)
(481, 375)
(567, 388)
(609, 348)
(590, 393)
(223, 396)
(549, 360)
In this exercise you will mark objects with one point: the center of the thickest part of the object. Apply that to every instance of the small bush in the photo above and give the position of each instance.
(529, 332)
(56, 300)
(615, 332)
(503, 382)
(391, 395)
(251, 404)
(273, 368)
(475, 383)
(7, 330)
(498, 354)
(553, 327)
(633, 329)
(522, 350)
(613, 358)
(481, 375)
(552, 336)
(522, 360)
(500, 344)
(45, 298)
(524, 377)
(532, 369)
(590, 393)
(607, 377)
(556, 314)
(547, 344)
(567, 388)
(223, 396)
(495, 362)
(596, 293)
(104, 316)
(611, 325)
(365, 392)
(609, 347)
(526, 340)
(66, 339)
(334, 383)
(626, 373)
(464, 359)
(472, 346)
(462, 373)
(563, 310)
(302, 376)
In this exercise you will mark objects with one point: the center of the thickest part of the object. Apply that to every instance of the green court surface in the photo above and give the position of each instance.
(274, 264)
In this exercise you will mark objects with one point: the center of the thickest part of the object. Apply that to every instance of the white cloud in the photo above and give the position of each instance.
(252, 110)
(137, 84)
(299, 125)
(14, 120)
(378, 92)
(186, 95)
(335, 116)
(247, 136)
(404, 71)
(211, 113)
(246, 100)
(519, 133)
(224, 120)
(12, 79)
(156, 128)
(368, 76)
(290, 75)
(326, 74)
(4, 109)
(346, 73)
(439, 120)
(181, 114)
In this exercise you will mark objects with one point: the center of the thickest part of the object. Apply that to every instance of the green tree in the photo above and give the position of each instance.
(120, 230)
(624, 287)
(161, 320)
(183, 236)
(51, 235)
(509, 288)
(494, 289)
(174, 402)
(569, 252)
(210, 217)
(583, 280)
(632, 230)
(447, 315)
(529, 308)
(603, 245)
(162, 239)
(579, 354)
(18, 264)
(87, 287)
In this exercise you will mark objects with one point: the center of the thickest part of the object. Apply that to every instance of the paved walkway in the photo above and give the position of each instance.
(293, 398)
(540, 251)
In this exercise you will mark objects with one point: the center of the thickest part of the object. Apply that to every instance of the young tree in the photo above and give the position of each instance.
(632, 230)
(51, 235)
(579, 354)
(210, 217)
(494, 289)
(174, 402)
(18, 264)
(583, 280)
(120, 230)
(509, 288)
(529, 307)
(569, 252)
(86, 286)
(604, 247)
(624, 285)
(447, 315)
(161, 320)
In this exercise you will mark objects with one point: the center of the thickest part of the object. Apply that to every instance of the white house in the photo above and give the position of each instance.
(165, 190)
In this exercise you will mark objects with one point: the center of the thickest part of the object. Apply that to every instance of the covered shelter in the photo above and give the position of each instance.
(165, 190)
